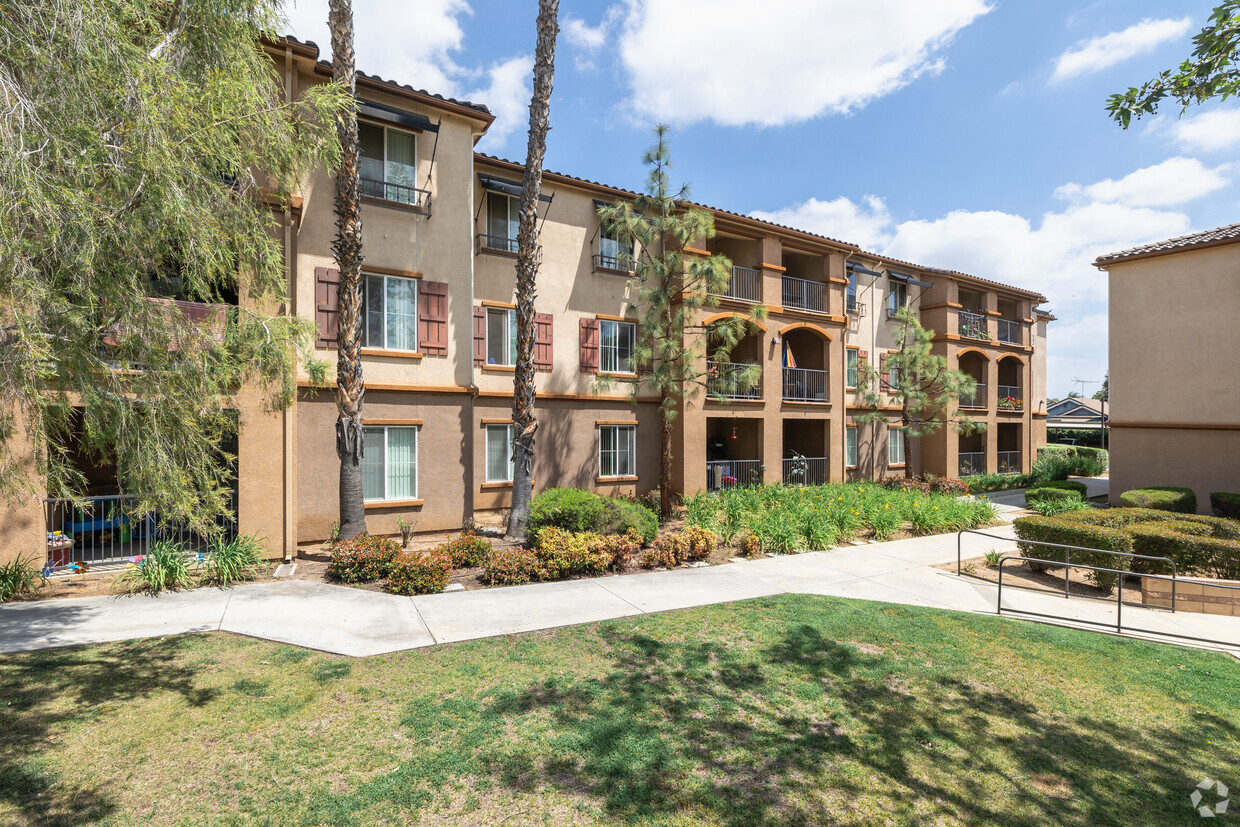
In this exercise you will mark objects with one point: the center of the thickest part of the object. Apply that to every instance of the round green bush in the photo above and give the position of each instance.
(420, 573)
(512, 566)
(577, 511)
(1162, 498)
(1225, 504)
(1041, 492)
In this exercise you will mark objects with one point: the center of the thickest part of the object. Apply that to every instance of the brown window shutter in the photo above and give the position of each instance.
(326, 305)
(542, 341)
(480, 336)
(589, 345)
(882, 372)
(863, 357)
(433, 318)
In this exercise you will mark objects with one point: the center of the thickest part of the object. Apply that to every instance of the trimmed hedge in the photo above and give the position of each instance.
(466, 551)
(1070, 529)
(420, 573)
(1161, 497)
(575, 510)
(512, 566)
(1225, 504)
(1054, 490)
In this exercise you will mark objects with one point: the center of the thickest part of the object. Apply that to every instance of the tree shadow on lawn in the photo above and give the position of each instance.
(745, 738)
(43, 690)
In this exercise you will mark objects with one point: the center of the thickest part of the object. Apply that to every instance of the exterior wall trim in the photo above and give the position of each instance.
(806, 326)
(1180, 426)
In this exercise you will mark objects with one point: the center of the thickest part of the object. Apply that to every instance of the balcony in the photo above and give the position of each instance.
(1011, 398)
(972, 463)
(1009, 331)
(803, 294)
(976, 400)
(613, 264)
(854, 308)
(499, 245)
(397, 195)
(1009, 462)
(974, 326)
(805, 385)
(745, 284)
(722, 381)
(807, 471)
(733, 473)
(211, 319)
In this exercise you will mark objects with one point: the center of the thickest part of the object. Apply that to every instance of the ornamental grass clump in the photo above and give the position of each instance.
(233, 561)
(165, 567)
(19, 577)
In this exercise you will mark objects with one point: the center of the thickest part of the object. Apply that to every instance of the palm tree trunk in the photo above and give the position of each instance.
(524, 422)
(347, 247)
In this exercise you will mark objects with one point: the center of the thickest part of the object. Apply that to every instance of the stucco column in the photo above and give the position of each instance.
(772, 404)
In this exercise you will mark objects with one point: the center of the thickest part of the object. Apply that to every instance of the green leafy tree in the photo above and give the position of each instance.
(524, 422)
(924, 385)
(1213, 71)
(670, 289)
(1105, 391)
(146, 150)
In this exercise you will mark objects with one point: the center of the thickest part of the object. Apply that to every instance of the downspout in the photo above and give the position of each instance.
(290, 413)
(471, 436)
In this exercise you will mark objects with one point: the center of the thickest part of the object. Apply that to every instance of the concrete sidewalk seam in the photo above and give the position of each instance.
(219, 627)
(636, 608)
(425, 625)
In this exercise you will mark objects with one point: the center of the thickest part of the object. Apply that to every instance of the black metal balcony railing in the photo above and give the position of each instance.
(974, 325)
(723, 379)
(805, 385)
(975, 400)
(733, 473)
(496, 244)
(1009, 331)
(972, 463)
(807, 471)
(613, 264)
(745, 284)
(1009, 462)
(418, 200)
(1011, 398)
(804, 294)
(854, 307)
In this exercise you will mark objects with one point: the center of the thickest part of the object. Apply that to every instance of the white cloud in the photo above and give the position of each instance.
(1107, 50)
(1052, 253)
(784, 61)
(1174, 181)
(415, 44)
(578, 33)
(1207, 132)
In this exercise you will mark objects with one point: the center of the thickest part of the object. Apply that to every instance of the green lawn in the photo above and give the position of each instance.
(784, 710)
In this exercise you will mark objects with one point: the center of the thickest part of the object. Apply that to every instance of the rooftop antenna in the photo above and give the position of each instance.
(1083, 383)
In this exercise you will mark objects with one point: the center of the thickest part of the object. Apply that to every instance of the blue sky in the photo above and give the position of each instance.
(966, 134)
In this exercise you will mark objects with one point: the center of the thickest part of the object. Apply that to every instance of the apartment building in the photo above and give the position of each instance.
(1173, 404)
(439, 239)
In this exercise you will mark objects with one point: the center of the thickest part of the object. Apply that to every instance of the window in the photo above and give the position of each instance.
(389, 163)
(616, 346)
(893, 375)
(853, 363)
(897, 298)
(850, 446)
(617, 451)
(851, 293)
(390, 464)
(895, 446)
(501, 336)
(391, 306)
(502, 221)
(499, 453)
(614, 252)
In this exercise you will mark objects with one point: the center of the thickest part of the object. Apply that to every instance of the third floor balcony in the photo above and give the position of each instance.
(744, 284)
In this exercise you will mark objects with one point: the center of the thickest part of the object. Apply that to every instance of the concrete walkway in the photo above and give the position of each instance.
(359, 623)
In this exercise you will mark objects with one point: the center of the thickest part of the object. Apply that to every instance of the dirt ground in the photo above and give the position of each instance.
(1020, 575)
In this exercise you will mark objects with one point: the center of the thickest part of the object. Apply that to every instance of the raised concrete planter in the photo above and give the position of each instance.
(1202, 597)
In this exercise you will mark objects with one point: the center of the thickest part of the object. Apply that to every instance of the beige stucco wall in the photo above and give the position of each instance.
(23, 532)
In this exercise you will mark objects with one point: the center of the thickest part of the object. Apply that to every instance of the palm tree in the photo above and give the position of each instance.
(524, 423)
(347, 247)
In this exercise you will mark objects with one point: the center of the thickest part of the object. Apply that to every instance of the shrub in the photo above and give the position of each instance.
(658, 555)
(926, 484)
(622, 516)
(675, 547)
(1056, 450)
(575, 510)
(1061, 485)
(233, 561)
(466, 550)
(946, 485)
(1069, 530)
(1225, 504)
(1049, 507)
(18, 577)
(1055, 490)
(623, 549)
(751, 544)
(362, 559)
(165, 566)
(1194, 546)
(1162, 498)
(425, 573)
(563, 553)
(512, 566)
(1086, 452)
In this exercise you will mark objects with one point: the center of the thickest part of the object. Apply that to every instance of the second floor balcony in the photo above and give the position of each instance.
(974, 325)
(397, 195)
(724, 380)
(803, 294)
(744, 284)
(1009, 331)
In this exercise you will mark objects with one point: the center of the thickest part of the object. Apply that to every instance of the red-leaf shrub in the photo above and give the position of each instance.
(467, 550)
(362, 559)
(425, 573)
(512, 566)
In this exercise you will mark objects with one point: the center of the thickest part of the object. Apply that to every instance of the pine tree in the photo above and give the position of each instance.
(524, 422)
(924, 386)
(670, 288)
(146, 149)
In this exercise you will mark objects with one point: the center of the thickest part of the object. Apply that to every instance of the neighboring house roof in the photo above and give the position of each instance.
(1209, 238)
(1076, 413)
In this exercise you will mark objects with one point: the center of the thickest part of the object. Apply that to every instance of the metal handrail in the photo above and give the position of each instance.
(744, 284)
(405, 195)
(1066, 548)
(613, 264)
(803, 294)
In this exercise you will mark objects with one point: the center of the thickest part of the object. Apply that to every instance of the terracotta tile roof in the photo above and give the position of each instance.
(1218, 235)
(311, 45)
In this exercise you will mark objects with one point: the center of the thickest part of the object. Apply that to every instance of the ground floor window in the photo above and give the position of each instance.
(390, 464)
(617, 451)
(895, 446)
(850, 446)
(499, 453)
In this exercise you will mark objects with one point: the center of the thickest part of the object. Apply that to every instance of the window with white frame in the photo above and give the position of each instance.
(391, 304)
(499, 453)
(617, 451)
(893, 374)
(503, 213)
(897, 297)
(616, 346)
(615, 251)
(501, 336)
(895, 446)
(390, 463)
(852, 363)
(850, 293)
(850, 446)
(389, 163)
